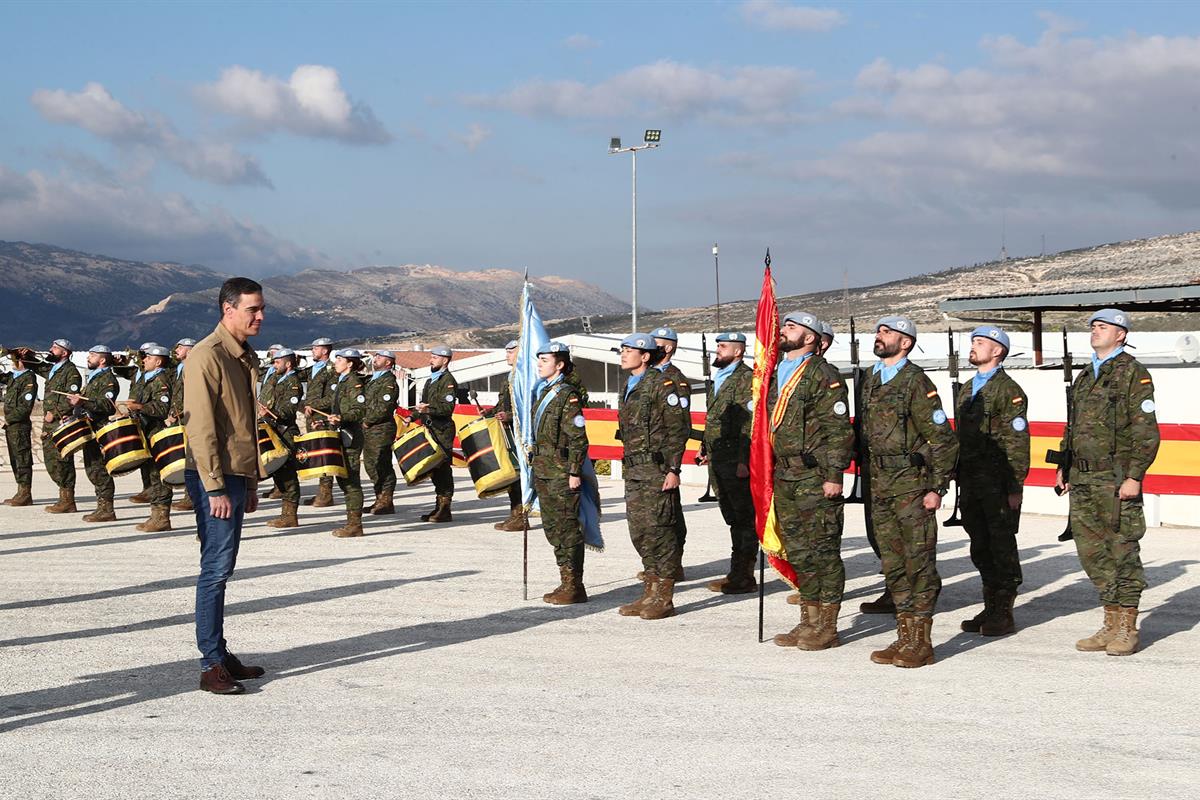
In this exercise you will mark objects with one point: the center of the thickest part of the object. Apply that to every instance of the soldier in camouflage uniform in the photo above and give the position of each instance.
(182, 348)
(266, 397)
(60, 376)
(913, 451)
(560, 446)
(503, 411)
(318, 396)
(150, 412)
(1111, 439)
(813, 440)
(349, 408)
(826, 338)
(136, 392)
(438, 398)
(286, 397)
(98, 402)
(19, 398)
(727, 454)
(379, 430)
(991, 421)
(668, 342)
(654, 435)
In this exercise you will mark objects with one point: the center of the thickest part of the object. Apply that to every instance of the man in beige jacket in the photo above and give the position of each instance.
(222, 468)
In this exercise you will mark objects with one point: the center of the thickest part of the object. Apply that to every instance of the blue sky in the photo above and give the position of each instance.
(873, 140)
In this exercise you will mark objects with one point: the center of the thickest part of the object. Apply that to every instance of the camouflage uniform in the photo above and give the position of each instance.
(155, 391)
(349, 403)
(727, 443)
(287, 398)
(1113, 435)
(504, 404)
(318, 395)
(912, 450)
(683, 401)
(561, 444)
(379, 432)
(813, 444)
(441, 394)
(993, 441)
(99, 403)
(18, 429)
(64, 379)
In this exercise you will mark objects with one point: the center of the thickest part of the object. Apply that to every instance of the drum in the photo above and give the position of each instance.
(272, 452)
(485, 448)
(417, 454)
(122, 445)
(71, 435)
(320, 455)
(168, 449)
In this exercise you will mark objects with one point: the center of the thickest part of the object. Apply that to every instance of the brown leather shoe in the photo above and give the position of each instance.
(216, 679)
(515, 522)
(65, 504)
(239, 671)
(881, 605)
(274, 494)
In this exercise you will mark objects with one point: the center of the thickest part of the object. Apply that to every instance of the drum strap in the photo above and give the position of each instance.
(543, 405)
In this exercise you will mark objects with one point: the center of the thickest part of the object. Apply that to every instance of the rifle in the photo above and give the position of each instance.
(859, 489)
(708, 496)
(954, 520)
(1063, 458)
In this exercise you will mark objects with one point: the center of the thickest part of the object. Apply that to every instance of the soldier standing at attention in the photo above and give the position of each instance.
(379, 430)
(913, 451)
(727, 454)
(266, 398)
(503, 412)
(668, 342)
(19, 398)
(137, 394)
(813, 440)
(98, 401)
(991, 421)
(318, 395)
(560, 446)
(151, 412)
(60, 376)
(826, 338)
(182, 349)
(654, 435)
(286, 397)
(349, 406)
(1112, 439)
(436, 408)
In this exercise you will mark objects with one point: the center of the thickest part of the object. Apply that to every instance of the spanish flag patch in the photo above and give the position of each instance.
(835, 384)
(1017, 401)
(573, 400)
(1144, 381)
(931, 394)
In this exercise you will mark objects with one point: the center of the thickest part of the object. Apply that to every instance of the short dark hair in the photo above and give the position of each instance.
(565, 360)
(233, 289)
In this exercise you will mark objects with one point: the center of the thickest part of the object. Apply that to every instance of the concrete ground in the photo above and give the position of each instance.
(406, 664)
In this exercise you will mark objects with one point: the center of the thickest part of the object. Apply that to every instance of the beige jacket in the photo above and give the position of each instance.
(219, 411)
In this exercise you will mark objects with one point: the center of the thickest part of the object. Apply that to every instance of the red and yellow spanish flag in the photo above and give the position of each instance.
(762, 448)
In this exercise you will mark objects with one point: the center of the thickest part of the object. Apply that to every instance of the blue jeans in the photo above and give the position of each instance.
(219, 541)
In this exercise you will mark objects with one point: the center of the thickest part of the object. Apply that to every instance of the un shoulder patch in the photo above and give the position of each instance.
(449, 398)
(839, 408)
(672, 400)
(28, 396)
(939, 417)
(684, 402)
(360, 399)
(1019, 424)
(295, 400)
(1147, 406)
(579, 421)
(74, 387)
(387, 397)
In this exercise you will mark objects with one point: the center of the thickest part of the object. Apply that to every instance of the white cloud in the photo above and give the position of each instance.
(475, 136)
(95, 110)
(580, 41)
(741, 95)
(775, 15)
(311, 102)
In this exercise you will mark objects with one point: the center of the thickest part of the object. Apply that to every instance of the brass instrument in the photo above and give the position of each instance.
(26, 355)
(126, 363)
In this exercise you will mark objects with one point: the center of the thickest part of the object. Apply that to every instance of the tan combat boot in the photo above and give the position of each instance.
(809, 612)
(103, 512)
(65, 504)
(23, 497)
(881, 605)
(515, 522)
(437, 505)
(635, 608)
(141, 498)
(274, 494)
(353, 526)
(917, 650)
(1001, 623)
(975, 623)
(903, 630)
(1099, 640)
(184, 503)
(793, 599)
(160, 520)
(824, 634)
(286, 518)
(442, 512)
(660, 604)
(570, 591)
(1125, 641)
(384, 504)
(324, 496)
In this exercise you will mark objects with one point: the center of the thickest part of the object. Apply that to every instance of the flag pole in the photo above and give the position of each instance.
(762, 591)
(525, 559)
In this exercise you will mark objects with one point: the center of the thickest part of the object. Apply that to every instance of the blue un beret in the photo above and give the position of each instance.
(553, 347)
(809, 321)
(1113, 316)
(902, 324)
(732, 336)
(665, 333)
(640, 341)
(442, 350)
(992, 332)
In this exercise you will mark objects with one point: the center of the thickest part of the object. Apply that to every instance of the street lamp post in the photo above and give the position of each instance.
(650, 140)
(717, 273)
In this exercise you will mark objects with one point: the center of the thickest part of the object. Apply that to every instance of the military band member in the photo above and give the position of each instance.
(266, 397)
(913, 451)
(182, 349)
(503, 411)
(438, 398)
(379, 430)
(136, 394)
(727, 454)
(560, 446)
(1112, 439)
(318, 396)
(826, 338)
(813, 442)
(98, 401)
(668, 342)
(286, 398)
(654, 435)
(349, 407)
(151, 412)
(60, 376)
(19, 398)
(992, 423)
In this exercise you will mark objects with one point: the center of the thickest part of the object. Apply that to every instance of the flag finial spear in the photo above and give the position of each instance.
(767, 260)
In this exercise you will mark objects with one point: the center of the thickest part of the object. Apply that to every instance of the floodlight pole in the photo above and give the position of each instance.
(633, 151)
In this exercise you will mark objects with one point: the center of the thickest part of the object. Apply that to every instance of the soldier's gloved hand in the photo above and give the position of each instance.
(1130, 489)
(671, 482)
(1014, 501)
(932, 501)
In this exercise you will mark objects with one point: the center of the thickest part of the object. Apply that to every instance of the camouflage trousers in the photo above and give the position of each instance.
(351, 485)
(93, 467)
(650, 513)
(514, 495)
(61, 470)
(19, 436)
(992, 527)
(560, 519)
(737, 507)
(443, 476)
(377, 457)
(160, 493)
(810, 526)
(287, 482)
(907, 536)
(1110, 557)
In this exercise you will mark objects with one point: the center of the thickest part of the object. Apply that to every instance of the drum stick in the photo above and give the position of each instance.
(322, 413)
(64, 394)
